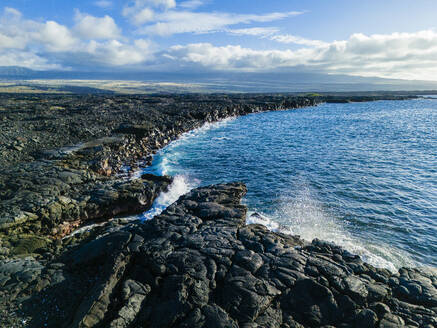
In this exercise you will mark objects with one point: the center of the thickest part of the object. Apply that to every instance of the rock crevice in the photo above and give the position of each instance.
(199, 265)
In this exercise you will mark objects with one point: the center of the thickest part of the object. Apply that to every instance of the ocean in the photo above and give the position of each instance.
(361, 175)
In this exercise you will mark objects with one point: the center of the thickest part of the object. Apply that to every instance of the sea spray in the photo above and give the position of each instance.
(359, 175)
(304, 215)
(180, 186)
(182, 183)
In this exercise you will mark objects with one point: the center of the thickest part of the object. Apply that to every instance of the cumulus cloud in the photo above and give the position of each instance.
(140, 12)
(26, 59)
(116, 53)
(9, 42)
(98, 42)
(174, 22)
(192, 4)
(161, 3)
(235, 57)
(103, 4)
(52, 45)
(14, 30)
(50, 35)
(90, 27)
(397, 55)
(143, 16)
(56, 37)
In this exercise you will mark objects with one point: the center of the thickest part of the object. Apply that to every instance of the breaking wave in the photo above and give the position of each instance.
(325, 173)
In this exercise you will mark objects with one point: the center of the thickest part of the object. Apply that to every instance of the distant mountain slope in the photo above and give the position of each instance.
(15, 71)
(289, 81)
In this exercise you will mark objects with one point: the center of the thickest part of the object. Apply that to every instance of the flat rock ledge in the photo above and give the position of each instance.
(199, 265)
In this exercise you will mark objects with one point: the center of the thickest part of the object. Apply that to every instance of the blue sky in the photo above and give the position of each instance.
(390, 38)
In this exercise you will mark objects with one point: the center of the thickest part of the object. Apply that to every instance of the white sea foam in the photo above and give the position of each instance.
(298, 214)
(303, 215)
(201, 130)
(166, 159)
(212, 125)
(180, 186)
(257, 218)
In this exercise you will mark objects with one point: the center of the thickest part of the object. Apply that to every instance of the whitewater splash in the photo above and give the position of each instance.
(180, 186)
(303, 215)
(182, 183)
(292, 187)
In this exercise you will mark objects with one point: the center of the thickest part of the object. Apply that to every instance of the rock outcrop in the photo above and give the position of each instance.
(199, 265)
(50, 192)
(68, 161)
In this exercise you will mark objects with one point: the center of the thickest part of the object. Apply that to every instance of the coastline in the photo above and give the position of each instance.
(89, 190)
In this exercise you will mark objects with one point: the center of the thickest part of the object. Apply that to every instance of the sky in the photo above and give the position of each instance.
(373, 38)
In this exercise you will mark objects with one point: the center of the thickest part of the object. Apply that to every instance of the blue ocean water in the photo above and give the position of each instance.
(363, 175)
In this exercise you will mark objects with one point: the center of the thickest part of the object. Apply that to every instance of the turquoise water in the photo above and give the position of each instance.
(362, 175)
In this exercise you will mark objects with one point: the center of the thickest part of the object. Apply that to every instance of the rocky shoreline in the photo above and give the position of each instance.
(51, 192)
(196, 265)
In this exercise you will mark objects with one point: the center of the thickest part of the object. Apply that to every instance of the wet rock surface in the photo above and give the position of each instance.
(73, 149)
(68, 161)
(199, 265)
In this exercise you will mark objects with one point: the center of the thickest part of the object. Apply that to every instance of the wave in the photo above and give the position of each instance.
(257, 218)
(180, 186)
(303, 215)
(167, 157)
(162, 165)
(206, 127)
(221, 138)
(296, 212)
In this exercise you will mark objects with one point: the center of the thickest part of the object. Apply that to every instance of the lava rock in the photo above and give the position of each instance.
(199, 265)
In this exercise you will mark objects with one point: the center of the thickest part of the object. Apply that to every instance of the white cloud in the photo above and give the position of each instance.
(254, 31)
(26, 59)
(115, 53)
(103, 4)
(97, 41)
(56, 37)
(161, 3)
(19, 33)
(143, 16)
(191, 4)
(51, 45)
(288, 38)
(11, 13)
(16, 32)
(397, 55)
(271, 33)
(235, 57)
(165, 4)
(140, 10)
(90, 27)
(10, 42)
(174, 22)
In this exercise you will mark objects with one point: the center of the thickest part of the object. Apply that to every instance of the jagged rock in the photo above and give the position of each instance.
(366, 319)
(80, 162)
(198, 265)
(74, 166)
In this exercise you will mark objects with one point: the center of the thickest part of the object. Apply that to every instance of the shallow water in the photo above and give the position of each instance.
(362, 175)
